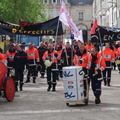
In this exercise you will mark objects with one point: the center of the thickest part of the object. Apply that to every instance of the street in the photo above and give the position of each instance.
(38, 104)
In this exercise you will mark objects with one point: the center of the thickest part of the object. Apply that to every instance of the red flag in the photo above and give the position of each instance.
(95, 25)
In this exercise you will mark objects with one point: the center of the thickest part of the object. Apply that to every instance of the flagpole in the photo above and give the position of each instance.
(100, 38)
(58, 24)
(57, 32)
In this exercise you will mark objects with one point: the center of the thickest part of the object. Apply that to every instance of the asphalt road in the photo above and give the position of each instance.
(35, 103)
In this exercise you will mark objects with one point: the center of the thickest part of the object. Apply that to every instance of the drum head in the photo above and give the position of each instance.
(9, 89)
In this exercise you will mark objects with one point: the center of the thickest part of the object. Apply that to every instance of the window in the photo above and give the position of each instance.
(58, 1)
(58, 12)
(51, 13)
(81, 16)
(54, 1)
(50, 1)
(29, 39)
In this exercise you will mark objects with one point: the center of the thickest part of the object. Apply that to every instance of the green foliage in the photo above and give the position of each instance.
(29, 10)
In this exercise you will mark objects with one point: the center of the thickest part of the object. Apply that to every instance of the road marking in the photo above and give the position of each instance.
(60, 111)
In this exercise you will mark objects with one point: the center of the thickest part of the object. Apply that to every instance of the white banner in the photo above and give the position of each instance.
(67, 20)
(80, 37)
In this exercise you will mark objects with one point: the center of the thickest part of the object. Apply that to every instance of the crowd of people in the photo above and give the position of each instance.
(96, 64)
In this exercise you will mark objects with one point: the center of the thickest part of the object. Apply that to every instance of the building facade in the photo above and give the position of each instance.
(80, 11)
(107, 12)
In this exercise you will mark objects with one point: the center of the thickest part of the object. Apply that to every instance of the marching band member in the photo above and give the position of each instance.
(10, 54)
(109, 58)
(33, 61)
(52, 56)
(96, 64)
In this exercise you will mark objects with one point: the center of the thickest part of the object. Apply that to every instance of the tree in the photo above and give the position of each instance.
(29, 10)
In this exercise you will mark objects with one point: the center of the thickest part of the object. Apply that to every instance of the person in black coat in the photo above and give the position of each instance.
(20, 61)
(66, 54)
(41, 51)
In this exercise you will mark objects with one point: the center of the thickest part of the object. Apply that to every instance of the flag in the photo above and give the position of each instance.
(95, 25)
(80, 37)
(66, 19)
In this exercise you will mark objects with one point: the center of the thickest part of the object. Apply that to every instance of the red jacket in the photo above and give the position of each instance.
(52, 56)
(108, 56)
(33, 56)
(118, 52)
(89, 47)
(77, 57)
(100, 62)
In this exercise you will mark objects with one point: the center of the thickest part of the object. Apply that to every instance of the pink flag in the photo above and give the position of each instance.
(67, 20)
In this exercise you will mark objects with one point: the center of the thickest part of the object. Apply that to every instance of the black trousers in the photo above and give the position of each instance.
(8, 73)
(96, 86)
(51, 70)
(19, 75)
(119, 67)
(32, 72)
(107, 76)
(114, 65)
(60, 69)
(42, 72)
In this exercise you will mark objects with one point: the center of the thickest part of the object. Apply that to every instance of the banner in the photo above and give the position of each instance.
(25, 23)
(107, 34)
(67, 20)
(80, 37)
(46, 28)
